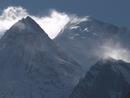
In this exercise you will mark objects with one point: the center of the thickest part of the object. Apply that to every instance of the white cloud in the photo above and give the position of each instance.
(52, 24)
(76, 20)
(115, 51)
(10, 16)
(74, 27)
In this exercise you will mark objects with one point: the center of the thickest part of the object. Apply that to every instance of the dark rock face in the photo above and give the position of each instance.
(32, 66)
(128, 95)
(83, 40)
(106, 79)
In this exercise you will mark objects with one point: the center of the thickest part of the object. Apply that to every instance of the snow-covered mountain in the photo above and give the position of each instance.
(106, 79)
(32, 66)
(83, 40)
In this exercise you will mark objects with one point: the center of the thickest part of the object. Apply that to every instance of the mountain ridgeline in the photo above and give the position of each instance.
(32, 65)
(105, 79)
(83, 41)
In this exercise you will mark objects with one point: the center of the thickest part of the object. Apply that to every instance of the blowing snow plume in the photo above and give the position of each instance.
(52, 24)
(115, 51)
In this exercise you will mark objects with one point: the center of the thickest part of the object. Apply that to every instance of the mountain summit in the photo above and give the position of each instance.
(83, 41)
(32, 65)
(28, 24)
(106, 79)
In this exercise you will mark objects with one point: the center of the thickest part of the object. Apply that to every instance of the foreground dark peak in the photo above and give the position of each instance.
(127, 96)
(111, 61)
(106, 79)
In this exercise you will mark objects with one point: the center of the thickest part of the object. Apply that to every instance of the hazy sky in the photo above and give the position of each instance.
(112, 11)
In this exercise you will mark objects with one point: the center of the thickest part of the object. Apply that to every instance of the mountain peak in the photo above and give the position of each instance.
(29, 57)
(27, 25)
(111, 61)
(27, 19)
(28, 31)
(108, 60)
(104, 80)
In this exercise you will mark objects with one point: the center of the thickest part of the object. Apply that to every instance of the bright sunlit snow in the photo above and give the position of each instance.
(52, 24)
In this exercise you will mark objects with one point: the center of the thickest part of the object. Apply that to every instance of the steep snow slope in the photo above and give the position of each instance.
(32, 66)
(83, 41)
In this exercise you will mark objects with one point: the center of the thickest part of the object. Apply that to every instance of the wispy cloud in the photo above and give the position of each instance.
(9, 16)
(115, 50)
(52, 24)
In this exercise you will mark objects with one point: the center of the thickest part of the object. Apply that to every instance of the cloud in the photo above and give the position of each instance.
(10, 16)
(114, 50)
(52, 24)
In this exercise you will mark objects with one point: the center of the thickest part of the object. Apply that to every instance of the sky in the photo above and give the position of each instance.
(53, 16)
(57, 13)
(111, 11)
